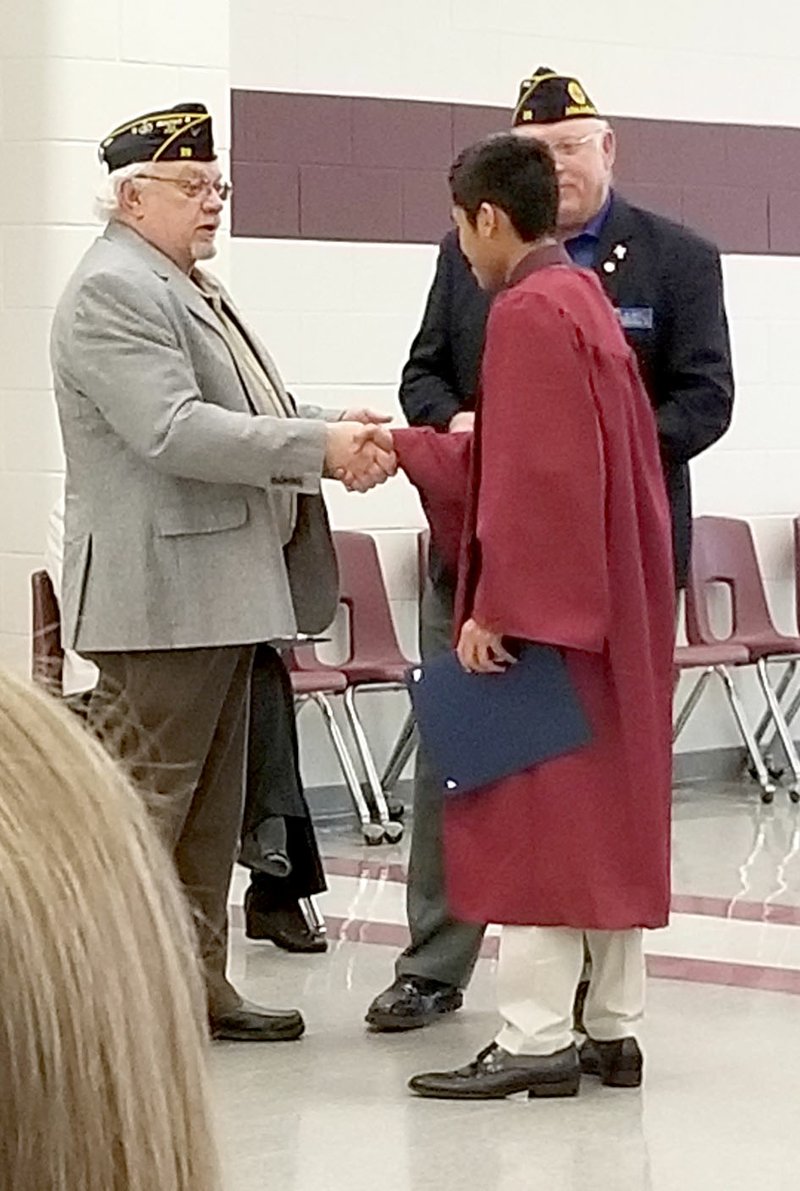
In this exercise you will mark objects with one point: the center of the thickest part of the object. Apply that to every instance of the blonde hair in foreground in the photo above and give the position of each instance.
(102, 1014)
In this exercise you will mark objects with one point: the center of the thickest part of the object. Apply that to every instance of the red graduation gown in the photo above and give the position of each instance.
(566, 541)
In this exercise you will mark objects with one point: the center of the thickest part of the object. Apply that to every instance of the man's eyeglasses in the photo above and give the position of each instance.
(571, 146)
(195, 188)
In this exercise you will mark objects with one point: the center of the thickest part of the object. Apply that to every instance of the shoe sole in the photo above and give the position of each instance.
(623, 1079)
(615, 1079)
(542, 1091)
(289, 1035)
(294, 949)
(390, 1024)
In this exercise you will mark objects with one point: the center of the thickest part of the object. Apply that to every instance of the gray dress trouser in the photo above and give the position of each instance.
(441, 948)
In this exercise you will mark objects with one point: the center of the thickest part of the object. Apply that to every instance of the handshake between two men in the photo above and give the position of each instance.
(359, 451)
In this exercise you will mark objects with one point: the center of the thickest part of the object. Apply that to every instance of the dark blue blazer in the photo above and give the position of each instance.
(684, 354)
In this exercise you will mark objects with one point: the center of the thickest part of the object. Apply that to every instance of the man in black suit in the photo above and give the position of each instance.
(666, 284)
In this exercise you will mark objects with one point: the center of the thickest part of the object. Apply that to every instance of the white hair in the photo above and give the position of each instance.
(106, 203)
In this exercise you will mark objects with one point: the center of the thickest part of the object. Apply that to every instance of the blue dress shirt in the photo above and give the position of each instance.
(583, 247)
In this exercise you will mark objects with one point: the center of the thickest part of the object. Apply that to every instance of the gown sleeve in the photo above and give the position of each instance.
(438, 467)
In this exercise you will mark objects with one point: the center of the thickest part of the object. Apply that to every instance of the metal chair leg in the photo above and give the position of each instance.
(692, 700)
(791, 711)
(312, 915)
(737, 707)
(372, 832)
(780, 691)
(790, 714)
(781, 726)
(404, 747)
(391, 829)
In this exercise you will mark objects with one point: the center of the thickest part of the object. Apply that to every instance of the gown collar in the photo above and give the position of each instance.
(538, 258)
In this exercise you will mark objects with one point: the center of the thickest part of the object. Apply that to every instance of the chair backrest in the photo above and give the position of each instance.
(723, 551)
(363, 592)
(47, 653)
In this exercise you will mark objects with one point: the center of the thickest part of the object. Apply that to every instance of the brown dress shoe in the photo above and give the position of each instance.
(251, 1023)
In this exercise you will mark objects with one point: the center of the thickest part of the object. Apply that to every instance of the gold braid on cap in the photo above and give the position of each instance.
(192, 121)
(526, 96)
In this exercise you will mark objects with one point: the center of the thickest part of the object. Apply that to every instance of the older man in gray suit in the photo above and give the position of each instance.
(194, 524)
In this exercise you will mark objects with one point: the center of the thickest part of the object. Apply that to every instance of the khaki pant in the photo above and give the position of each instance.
(177, 720)
(537, 975)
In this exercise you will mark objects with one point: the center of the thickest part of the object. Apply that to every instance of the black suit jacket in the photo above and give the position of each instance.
(663, 275)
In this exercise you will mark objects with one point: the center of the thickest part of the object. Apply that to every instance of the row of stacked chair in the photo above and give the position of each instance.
(723, 553)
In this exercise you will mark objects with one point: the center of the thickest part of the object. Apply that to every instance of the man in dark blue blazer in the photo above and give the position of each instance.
(666, 283)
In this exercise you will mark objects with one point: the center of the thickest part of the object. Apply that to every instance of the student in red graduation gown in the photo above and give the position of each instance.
(566, 542)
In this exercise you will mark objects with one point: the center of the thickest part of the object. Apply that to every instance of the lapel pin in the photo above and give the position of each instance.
(610, 267)
(621, 251)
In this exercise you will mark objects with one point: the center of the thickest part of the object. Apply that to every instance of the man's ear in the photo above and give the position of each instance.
(610, 147)
(130, 197)
(486, 221)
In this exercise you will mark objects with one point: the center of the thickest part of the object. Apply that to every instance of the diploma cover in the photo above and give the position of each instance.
(479, 728)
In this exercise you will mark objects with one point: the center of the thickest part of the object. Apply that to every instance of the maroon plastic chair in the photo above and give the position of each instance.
(791, 711)
(47, 654)
(714, 660)
(723, 552)
(375, 659)
(315, 682)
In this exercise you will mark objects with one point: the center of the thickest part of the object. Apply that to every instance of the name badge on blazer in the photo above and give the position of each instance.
(636, 318)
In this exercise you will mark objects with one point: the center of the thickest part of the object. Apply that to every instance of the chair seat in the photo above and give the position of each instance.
(772, 646)
(372, 673)
(691, 657)
(323, 682)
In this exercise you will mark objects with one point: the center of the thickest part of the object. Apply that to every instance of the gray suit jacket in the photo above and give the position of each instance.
(171, 537)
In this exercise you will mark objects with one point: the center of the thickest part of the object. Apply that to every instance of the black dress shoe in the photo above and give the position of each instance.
(411, 1003)
(618, 1064)
(495, 1074)
(286, 928)
(251, 1023)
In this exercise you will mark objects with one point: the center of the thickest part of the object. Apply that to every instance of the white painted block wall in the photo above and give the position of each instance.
(340, 317)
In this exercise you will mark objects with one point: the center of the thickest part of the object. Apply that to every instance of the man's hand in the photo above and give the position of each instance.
(361, 456)
(367, 417)
(461, 422)
(482, 652)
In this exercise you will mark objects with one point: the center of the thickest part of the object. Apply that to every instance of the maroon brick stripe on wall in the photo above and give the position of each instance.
(332, 167)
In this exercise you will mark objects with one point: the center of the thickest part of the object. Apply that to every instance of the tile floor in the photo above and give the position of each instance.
(719, 1108)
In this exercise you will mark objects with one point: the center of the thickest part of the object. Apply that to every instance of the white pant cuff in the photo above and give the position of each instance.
(511, 1040)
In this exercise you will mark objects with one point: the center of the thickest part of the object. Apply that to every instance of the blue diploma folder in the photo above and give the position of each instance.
(479, 728)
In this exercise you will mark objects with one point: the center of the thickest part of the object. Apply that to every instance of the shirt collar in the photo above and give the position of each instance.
(594, 227)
